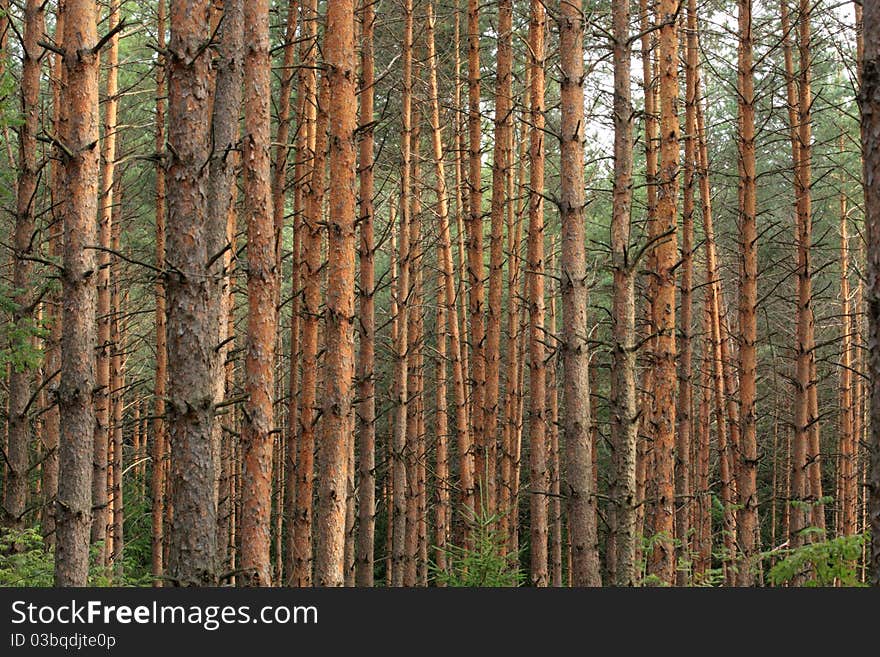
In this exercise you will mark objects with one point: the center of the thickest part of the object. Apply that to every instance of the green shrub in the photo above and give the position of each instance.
(823, 563)
(483, 564)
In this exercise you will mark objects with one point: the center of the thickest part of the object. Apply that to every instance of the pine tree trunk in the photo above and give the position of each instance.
(262, 322)
(81, 171)
(21, 379)
(339, 51)
(191, 335)
(366, 361)
(53, 352)
(502, 163)
(747, 521)
(475, 266)
(450, 288)
(539, 481)
(869, 100)
(159, 447)
(624, 413)
(102, 513)
(575, 351)
(222, 192)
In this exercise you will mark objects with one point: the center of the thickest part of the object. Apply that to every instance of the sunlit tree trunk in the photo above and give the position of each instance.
(80, 156)
(747, 486)
(539, 481)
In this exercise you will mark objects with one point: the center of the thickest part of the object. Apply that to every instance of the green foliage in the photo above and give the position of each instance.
(823, 563)
(484, 564)
(24, 560)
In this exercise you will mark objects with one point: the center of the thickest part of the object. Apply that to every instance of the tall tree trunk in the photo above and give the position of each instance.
(539, 481)
(339, 50)
(399, 520)
(262, 319)
(718, 344)
(663, 303)
(869, 100)
(450, 289)
(157, 482)
(847, 498)
(747, 521)
(21, 379)
(222, 192)
(502, 164)
(52, 367)
(101, 518)
(81, 169)
(366, 361)
(191, 334)
(311, 263)
(624, 413)
(684, 466)
(474, 226)
(579, 490)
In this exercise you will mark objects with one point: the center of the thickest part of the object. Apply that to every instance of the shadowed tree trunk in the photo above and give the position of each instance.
(21, 378)
(366, 361)
(869, 100)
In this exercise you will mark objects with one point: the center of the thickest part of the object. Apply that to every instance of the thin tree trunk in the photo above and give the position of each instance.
(222, 192)
(474, 226)
(398, 450)
(311, 262)
(450, 288)
(157, 482)
(747, 521)
(366, 361)
(869, 100)
(102, 513)
(502, 163)
(22, 379)
(53, 352)
(624, 413)
(539, 481)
